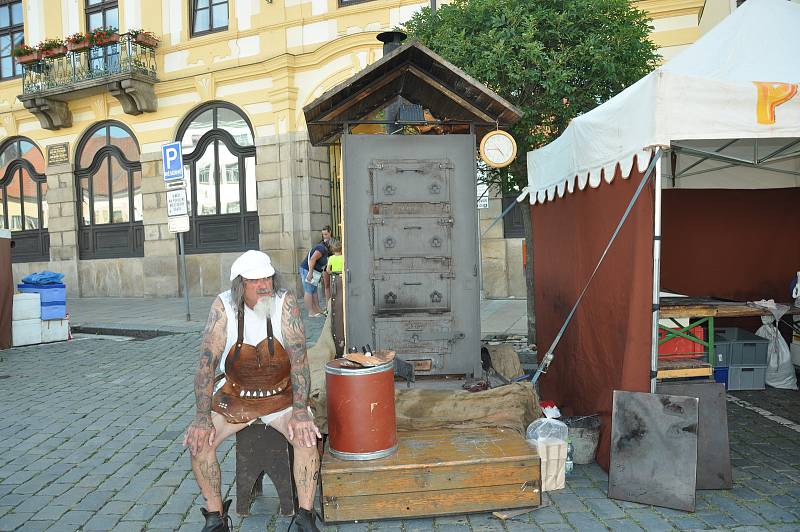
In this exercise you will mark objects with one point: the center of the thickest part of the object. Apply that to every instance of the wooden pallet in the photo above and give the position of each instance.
(434, 472)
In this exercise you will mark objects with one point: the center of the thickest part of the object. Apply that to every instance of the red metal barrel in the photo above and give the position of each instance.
(361, 417)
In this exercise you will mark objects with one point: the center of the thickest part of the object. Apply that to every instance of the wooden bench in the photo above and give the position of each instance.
(259, 450)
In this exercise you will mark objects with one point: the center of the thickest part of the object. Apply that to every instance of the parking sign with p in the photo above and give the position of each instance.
(172, 159)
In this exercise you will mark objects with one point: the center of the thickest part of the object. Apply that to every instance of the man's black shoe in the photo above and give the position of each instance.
(304, 521)
(216, 521)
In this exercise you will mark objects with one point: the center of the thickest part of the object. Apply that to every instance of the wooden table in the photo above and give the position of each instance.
(690, 307)
(703, 311)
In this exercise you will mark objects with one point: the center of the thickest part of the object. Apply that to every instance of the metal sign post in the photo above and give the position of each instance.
(177, 206)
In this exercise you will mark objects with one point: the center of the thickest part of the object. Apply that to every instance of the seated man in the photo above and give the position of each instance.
(255, 336)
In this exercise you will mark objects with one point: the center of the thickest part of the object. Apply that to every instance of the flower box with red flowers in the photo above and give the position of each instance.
(144, 38)
(24, 54)
(52, 48)
(105, 36)
(77, 42)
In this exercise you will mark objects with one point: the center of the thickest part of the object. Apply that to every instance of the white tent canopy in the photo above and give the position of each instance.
(728, 105)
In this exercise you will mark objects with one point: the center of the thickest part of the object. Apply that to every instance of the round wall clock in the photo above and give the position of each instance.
(498, 149)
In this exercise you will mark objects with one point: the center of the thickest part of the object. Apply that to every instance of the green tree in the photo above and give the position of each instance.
(553, 59)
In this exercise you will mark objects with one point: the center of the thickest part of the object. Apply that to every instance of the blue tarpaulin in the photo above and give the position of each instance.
(44, 277)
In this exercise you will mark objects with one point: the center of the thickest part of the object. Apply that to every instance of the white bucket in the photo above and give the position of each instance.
(584, 432)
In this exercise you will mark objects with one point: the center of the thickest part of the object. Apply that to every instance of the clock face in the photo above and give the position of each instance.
(498, 149)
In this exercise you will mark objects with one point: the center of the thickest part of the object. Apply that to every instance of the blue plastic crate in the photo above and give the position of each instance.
(54, 311)
(53, 298)
(49, 293)
(721, 375)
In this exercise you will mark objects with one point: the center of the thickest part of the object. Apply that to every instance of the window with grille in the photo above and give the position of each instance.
(109, 185)
(23, 203)
(11, 36)
(102, 14)
(219, 158)
(208, 16)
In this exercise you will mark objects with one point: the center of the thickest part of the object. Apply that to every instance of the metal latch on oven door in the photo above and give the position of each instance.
(375, 220)
(449, 338)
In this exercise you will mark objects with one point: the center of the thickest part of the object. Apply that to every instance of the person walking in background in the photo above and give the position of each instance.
(311, 269)
(336, 259)
(335, 265)
(326, 234)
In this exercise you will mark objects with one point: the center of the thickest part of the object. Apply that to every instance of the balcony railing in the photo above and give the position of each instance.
(126, 69)
(96, 63)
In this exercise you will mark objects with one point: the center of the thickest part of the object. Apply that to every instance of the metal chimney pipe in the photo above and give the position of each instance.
(391, 40)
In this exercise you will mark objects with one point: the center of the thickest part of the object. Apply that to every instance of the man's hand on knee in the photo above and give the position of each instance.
(301, 428)
(199, 434)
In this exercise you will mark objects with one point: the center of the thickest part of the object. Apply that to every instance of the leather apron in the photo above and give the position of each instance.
(257, 380)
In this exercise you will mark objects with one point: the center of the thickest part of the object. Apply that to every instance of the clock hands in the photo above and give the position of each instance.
(498, 150)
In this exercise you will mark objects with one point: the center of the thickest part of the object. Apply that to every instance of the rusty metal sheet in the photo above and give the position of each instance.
(713, 447)
(654, 449)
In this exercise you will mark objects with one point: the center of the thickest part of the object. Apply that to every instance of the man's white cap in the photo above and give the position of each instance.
(252, 265)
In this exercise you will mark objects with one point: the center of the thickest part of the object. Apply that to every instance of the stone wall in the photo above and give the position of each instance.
(160, 246)
(62, 226)
(502, 269)
(111, 277)
(293, 199)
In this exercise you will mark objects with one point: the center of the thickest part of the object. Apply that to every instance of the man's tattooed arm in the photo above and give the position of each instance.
(211, 347)
(294, 337)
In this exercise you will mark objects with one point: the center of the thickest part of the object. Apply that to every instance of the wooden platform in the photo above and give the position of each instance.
(675, 369)
(435, 472)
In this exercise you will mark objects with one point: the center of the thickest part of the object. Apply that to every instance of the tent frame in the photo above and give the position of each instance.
(717, 155)
(671, 153)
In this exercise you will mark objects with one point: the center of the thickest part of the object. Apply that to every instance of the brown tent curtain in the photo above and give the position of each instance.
(731, 244)
(607, 345)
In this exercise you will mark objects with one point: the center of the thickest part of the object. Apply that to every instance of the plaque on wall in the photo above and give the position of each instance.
(58, 153)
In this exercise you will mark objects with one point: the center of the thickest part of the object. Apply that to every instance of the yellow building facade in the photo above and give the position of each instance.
(81, 162)
(241, 67)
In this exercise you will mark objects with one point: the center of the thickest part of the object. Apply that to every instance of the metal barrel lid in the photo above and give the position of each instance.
(338, 367)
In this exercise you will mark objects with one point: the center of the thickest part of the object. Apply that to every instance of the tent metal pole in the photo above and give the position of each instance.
(703, 159)
(777, 152)
(656, 276)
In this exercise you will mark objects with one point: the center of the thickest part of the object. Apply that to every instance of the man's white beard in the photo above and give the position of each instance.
(264, 306)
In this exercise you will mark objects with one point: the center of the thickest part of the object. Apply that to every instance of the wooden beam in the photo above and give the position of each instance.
(684, 372)
(424, 76)
(361, 95)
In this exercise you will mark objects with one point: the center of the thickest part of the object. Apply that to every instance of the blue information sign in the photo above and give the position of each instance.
(172, 159)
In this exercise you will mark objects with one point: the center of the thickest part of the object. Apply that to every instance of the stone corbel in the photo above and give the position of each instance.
(136, 97)
(52, 114)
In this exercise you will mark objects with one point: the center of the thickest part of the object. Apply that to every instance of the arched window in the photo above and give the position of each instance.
(23, 207)
(108, 176)
(219, 160)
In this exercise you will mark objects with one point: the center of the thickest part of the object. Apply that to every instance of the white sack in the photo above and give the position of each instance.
(780, 371)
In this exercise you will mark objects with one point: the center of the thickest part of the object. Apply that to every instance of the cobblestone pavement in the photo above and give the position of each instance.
(90, 439)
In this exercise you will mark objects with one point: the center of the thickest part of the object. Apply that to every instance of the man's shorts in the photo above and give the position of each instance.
(270, 418)
(308, 288)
